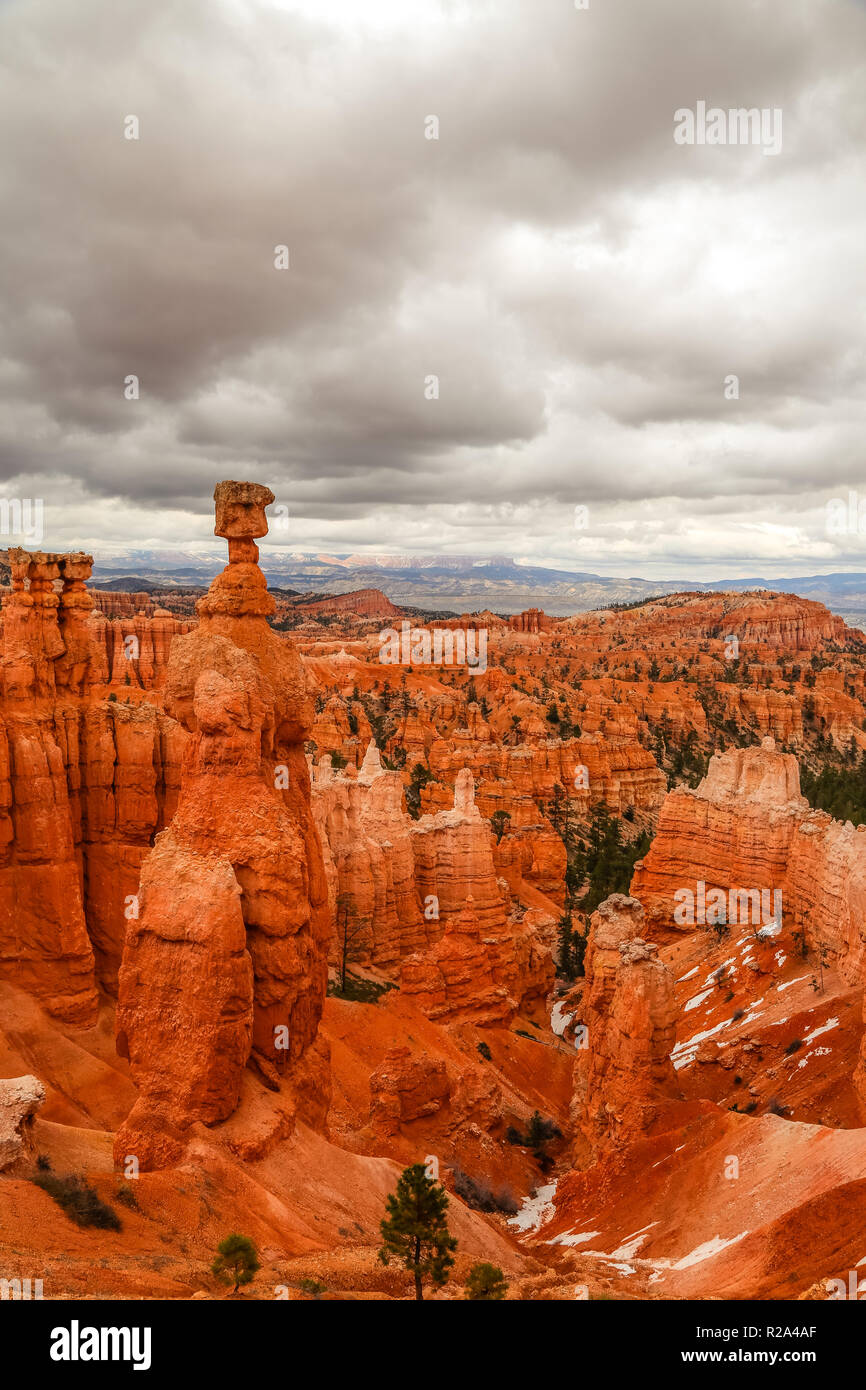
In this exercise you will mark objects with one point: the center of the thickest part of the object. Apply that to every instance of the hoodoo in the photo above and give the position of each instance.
(625, 1076)
(235, 965)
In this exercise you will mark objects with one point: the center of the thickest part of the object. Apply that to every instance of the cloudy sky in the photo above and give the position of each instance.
(580, 284)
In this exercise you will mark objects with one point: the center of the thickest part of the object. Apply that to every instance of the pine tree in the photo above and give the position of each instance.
(485, 1283)
(350, 925)
(565, 949)
(236, 1260)
(540, 1132)
(415, 1230)
(578, 951)
(557, 807)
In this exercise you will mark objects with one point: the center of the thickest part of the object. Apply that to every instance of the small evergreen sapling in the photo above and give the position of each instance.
(236, 1260)
(485, 1283)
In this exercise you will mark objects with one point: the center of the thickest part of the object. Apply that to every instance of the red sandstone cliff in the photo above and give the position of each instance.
(45, 662)
(531, 620)
(733, 831)
(747, 842)
(625, 1078)
(747, 828)
(359, 603)
(454, 860)
(88, 777)
(476, 974)
(366, 838)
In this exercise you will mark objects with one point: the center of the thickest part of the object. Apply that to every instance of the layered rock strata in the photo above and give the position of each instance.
(244, 841)
(475, 974)
(453, 852)
(366, 838)
(625, 1077)
(734, 831)
(753, 842)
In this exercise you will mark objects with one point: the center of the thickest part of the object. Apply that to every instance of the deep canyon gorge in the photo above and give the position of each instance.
(278, 920)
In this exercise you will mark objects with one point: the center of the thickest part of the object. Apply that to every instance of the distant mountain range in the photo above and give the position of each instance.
(461, 583)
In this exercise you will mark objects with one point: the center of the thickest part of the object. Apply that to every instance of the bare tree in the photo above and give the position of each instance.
(350, 925)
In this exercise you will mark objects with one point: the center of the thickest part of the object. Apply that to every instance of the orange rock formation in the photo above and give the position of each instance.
(625, 1075)
(361, 603)
(366, 837)
(747, 830)
(243, 829)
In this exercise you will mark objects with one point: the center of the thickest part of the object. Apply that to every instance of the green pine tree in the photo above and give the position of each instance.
(565, 949)
(236, 1260)
(415, 1230)
(485, 1283)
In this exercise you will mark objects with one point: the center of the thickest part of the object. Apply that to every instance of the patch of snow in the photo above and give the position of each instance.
(708, 1250)
(770, 929)
(713, 973)
(630, 1246)
(825, 1028)
(750, 1018)
(664, 1160)
(535, 1210)
(688, 975)
(696, 1000)
(620, 1266)
(683, 1054)
(573, 1238)
(788, 983)
(818, 1052)
(620, 1258)
(717, 968)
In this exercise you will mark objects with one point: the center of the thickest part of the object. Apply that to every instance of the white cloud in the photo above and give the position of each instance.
(580, 285)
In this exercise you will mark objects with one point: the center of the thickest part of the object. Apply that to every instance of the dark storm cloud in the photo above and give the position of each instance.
(580, 285)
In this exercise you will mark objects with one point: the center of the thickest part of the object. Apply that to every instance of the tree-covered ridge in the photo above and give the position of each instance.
(840, 790)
